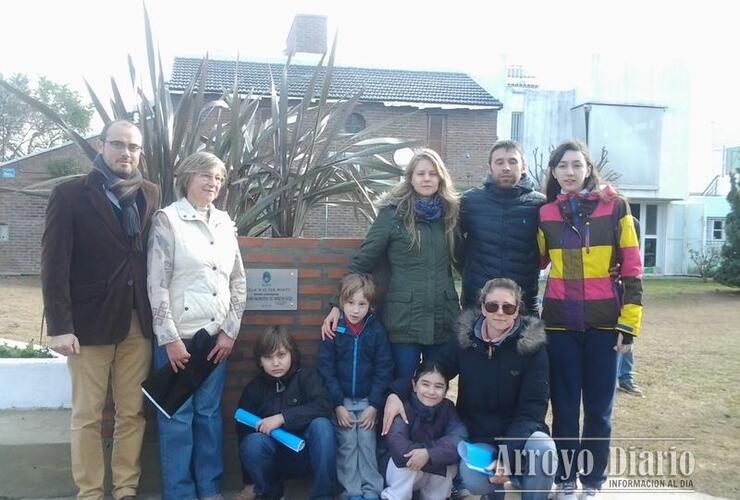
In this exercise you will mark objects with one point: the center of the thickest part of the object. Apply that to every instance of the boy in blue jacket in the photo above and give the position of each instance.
(356, 366)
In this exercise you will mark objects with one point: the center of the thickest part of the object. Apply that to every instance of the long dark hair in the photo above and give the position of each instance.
(593, 182)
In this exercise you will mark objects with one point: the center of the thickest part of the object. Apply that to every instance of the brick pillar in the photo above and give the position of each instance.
(321, 263)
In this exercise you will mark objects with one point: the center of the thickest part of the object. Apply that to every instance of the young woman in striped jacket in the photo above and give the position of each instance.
(585, 229)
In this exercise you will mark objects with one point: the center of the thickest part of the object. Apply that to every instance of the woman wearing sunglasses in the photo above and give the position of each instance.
(586, 229)
(501, 359)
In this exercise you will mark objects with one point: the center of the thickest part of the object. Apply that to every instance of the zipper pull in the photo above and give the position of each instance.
(490, 351)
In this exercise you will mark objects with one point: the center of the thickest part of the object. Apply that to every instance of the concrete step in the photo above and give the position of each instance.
(35, 463)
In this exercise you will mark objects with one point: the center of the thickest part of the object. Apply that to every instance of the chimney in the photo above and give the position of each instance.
(307, 35)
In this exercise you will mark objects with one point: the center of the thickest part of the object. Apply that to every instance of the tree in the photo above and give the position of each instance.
(728, 272)
(706, 262)
(24, 130)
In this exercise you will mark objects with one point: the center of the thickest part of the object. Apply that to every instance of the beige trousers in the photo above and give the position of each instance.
(126, 364)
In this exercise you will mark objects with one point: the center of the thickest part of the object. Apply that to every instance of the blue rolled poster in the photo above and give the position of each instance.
(283, 437)
(476, 457)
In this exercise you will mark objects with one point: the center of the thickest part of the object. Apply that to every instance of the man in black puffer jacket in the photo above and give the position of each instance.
(498, 228)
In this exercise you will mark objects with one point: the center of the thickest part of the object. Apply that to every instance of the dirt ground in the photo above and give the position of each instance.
(686, 361)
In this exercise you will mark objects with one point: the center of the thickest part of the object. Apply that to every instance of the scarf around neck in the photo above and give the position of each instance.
(429, 210)
(124, 192)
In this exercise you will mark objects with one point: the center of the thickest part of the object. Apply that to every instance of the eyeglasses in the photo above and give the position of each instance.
(492, 307)
(120, 146)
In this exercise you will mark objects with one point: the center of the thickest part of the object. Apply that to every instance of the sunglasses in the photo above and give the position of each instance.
(492, 307)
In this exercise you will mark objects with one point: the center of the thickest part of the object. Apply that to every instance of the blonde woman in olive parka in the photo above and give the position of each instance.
(414, 231)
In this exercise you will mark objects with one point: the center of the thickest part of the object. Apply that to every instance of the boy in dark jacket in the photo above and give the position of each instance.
(287, 396)
(356, 366)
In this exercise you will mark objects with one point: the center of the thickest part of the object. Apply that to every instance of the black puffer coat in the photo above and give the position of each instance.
(498, 229)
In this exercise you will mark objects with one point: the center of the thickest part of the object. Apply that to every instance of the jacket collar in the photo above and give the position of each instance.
(342, 324)
(529, 334)
(525, 185)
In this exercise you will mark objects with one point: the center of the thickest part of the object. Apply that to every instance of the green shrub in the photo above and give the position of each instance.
(7, 351)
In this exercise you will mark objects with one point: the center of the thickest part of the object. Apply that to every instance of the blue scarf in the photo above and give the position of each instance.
(429, 210)
(122, 193)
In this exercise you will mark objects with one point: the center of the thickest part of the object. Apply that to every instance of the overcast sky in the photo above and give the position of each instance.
(75, 39)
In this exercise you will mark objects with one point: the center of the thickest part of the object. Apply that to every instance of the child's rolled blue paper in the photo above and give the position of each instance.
(476, 457)
(281, 436)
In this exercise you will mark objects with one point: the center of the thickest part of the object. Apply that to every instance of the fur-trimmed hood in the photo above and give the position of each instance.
(529, 332)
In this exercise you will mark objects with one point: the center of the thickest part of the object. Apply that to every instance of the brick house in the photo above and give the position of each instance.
(22, 215)
(448, 112)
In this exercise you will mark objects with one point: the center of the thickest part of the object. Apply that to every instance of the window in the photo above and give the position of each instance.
(4, 233)
(437, 134)
(650, 255)
(715, 229)
(517, 126)
(355, 123)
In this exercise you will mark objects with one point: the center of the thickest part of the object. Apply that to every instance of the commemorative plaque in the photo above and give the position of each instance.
(272, 289)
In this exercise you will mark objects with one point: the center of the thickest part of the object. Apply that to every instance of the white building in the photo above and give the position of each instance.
(653, 130)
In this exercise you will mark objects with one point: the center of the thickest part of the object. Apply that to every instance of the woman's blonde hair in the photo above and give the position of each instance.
(402, 197)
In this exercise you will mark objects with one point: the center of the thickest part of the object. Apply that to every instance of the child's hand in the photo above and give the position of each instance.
(269, 424)
(417, 459)
(499, 472)
(344, 419)
(367, 418)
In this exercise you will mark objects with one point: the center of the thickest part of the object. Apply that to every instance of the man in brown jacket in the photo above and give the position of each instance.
(93, 272)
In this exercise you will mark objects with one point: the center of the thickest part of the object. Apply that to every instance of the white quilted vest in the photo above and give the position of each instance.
(203, 260)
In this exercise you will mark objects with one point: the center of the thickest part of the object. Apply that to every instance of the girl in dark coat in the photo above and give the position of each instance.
(423, 452)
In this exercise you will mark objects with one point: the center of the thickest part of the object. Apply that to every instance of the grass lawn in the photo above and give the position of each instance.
(686, 361)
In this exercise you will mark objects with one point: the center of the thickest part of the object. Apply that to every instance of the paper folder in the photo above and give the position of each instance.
(282, 436)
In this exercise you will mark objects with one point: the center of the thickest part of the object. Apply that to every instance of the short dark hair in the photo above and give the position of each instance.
(353, 283)
(508, 145)
(431, 366)
(106, 128)
(274, 338)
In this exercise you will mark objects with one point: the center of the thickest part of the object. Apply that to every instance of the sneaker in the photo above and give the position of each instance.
(459, 493)
(566, 491)
(629, 387)
(588, 493)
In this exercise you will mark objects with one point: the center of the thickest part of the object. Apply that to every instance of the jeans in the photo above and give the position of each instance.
(535, 483)
(625, 362)
(582, 364)
(268, 462)
(191, 442)
(406, 357)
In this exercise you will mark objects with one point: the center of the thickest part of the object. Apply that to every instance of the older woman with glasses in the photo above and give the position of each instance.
(196, 281)
(502, 393)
